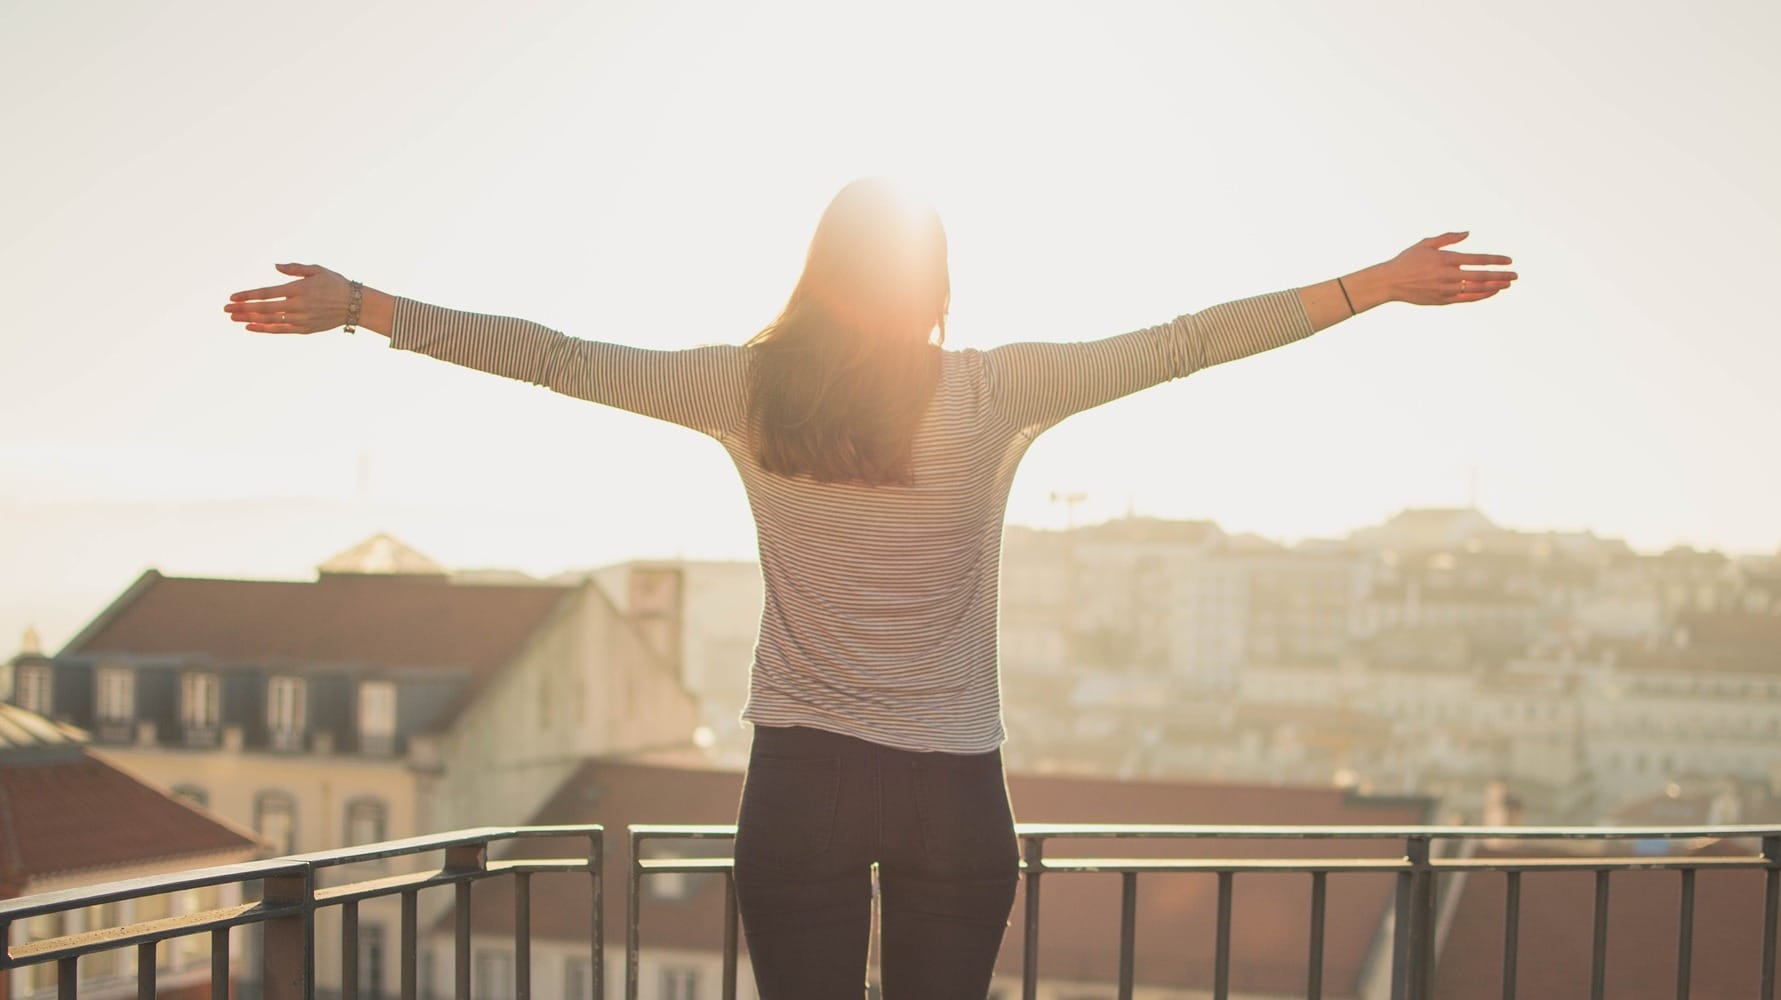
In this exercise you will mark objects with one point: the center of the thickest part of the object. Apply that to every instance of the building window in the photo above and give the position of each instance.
(200, 701)
(33, 690)
(371, 961)
(377, 717)
(42, 976)
(285, 697)
(192, 794)
(493, 974)
(117, 694)
(365, 822)
(578, 980)
(193, 950)
(275, 819)
(101, 965)
(680, 982)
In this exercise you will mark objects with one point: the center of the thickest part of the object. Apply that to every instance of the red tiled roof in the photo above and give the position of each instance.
(1079, 929)
(1557, 934)
(385, 620)
(73, 812)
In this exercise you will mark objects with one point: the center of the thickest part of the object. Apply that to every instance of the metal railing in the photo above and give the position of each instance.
(289, 898)
(1413, 914)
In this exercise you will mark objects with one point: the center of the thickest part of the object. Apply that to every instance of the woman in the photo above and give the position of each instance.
(877, 464)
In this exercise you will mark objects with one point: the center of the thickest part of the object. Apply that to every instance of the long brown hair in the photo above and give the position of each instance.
(841, 379)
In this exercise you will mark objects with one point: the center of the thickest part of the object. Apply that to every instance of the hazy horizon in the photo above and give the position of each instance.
(285, 538)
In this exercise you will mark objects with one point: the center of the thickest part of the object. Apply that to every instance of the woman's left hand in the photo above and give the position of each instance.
(316, 301)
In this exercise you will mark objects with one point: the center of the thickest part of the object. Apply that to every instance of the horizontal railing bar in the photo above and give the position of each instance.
(516, 865)
(146, 932)
(437, 842)
(393, 885)
(691, 866)
(1111, 865)
(1587, 863)
(1144, 830)
(694, 866)
(708, 831)
(290, 865)
(148, 885)
(1141, 830)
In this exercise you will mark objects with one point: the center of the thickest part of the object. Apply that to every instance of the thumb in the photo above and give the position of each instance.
(1445, 238)
(301, 270)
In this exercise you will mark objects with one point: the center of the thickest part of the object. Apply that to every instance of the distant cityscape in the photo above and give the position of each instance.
(1438, 663)
(1435, 654)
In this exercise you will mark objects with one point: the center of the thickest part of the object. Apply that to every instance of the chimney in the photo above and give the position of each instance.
(1496, 804)
(655, 603)
(1501, 810)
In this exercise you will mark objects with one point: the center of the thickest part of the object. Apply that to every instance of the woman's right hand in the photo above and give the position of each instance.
(1426, 275)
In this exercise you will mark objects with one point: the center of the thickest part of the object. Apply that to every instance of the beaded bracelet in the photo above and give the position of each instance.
(352, 306)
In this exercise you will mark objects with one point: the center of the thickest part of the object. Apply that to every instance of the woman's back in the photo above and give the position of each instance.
(879, 618)
(880, 612)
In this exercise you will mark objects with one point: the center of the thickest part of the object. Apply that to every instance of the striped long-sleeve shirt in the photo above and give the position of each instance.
(879, 619)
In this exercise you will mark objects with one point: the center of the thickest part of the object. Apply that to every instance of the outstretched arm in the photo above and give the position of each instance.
(1032, 386)
(700, 387)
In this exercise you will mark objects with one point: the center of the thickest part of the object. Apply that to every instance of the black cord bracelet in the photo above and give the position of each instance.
(1345, 296)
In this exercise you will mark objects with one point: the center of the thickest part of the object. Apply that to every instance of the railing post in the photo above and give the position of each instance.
(522, 935)
(410, 944)
(1400, 935)
(597, 864)
(1314, 966)
(68, 979)
(632, 914)
(349, 950)
(219, 962)
(1412, 956)
(1128, 933)
(464, 858)
(288, 965)
(1422, 917)
(1029, 959)
(1511, 931)
(1771, 903)
(730, 917)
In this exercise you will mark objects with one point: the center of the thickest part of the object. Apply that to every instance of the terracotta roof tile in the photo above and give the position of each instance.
(75, 812)
(385, 620)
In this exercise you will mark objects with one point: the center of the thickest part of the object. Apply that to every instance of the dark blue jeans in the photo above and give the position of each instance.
(818, 809)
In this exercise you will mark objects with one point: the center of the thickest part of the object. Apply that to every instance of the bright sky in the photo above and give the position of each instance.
(650, 173)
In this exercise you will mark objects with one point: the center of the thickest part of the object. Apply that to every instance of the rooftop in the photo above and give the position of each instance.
(64, 811)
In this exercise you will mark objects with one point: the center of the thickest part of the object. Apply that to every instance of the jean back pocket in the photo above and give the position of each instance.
(787, 813)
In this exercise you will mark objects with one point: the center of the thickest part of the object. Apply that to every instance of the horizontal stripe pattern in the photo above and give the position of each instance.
(879, 619)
